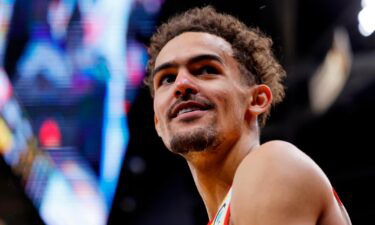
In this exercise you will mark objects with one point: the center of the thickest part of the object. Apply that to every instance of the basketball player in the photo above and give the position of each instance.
(213, 80)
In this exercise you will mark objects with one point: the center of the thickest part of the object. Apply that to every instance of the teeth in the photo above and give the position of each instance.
(187, 110)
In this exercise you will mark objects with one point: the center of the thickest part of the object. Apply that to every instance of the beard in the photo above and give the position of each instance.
(196, 140)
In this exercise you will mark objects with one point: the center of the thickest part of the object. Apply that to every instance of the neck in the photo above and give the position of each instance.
(213, 170)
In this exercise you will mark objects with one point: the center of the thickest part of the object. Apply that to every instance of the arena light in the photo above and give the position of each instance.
(366, 18)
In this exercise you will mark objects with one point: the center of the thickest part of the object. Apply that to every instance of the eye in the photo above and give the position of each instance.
(167, 79)
(206, 70)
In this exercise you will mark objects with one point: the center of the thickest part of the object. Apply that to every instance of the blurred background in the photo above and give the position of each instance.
(77, 142)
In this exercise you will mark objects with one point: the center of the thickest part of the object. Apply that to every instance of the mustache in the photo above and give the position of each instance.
(195, 98)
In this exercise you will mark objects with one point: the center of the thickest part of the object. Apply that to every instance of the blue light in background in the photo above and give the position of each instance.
(76, 53)
(6, 8)
(115, 131)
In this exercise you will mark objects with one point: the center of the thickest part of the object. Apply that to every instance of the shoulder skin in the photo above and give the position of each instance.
(277, 184)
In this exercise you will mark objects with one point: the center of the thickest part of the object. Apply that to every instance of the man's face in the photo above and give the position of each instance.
(200, 101)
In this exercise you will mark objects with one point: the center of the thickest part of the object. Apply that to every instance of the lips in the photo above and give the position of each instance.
(189, 106)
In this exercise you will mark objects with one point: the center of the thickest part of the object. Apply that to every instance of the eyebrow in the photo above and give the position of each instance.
(192, 60)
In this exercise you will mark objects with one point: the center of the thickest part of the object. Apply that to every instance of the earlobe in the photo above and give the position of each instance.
(261, 99)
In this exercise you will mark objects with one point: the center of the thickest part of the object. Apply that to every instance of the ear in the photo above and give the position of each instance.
(156, 123)
(261, 99)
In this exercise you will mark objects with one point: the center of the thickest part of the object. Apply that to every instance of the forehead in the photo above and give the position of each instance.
(189, 44)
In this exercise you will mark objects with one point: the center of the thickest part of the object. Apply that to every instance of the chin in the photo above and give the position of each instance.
(196, 139)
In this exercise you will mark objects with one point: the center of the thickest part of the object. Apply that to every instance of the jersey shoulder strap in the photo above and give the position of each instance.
(223, 214)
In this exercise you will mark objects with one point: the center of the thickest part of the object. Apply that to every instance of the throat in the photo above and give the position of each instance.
(213, 171)
(213, 182)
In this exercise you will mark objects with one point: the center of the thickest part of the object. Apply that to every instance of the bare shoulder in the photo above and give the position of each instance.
(280, 159)
(279, 184)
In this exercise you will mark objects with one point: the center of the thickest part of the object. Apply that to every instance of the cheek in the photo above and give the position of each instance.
(232, 106)
(160, 113)
(228, 100)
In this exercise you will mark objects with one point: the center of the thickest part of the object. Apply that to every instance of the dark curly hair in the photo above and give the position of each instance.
(252, 48)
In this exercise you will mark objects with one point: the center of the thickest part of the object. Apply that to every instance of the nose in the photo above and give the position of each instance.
(185, 84)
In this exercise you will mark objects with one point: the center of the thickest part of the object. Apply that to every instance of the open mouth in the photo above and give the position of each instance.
(189, 106)
(186, 110)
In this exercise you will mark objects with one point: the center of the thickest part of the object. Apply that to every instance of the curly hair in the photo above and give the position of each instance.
(251, 48)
